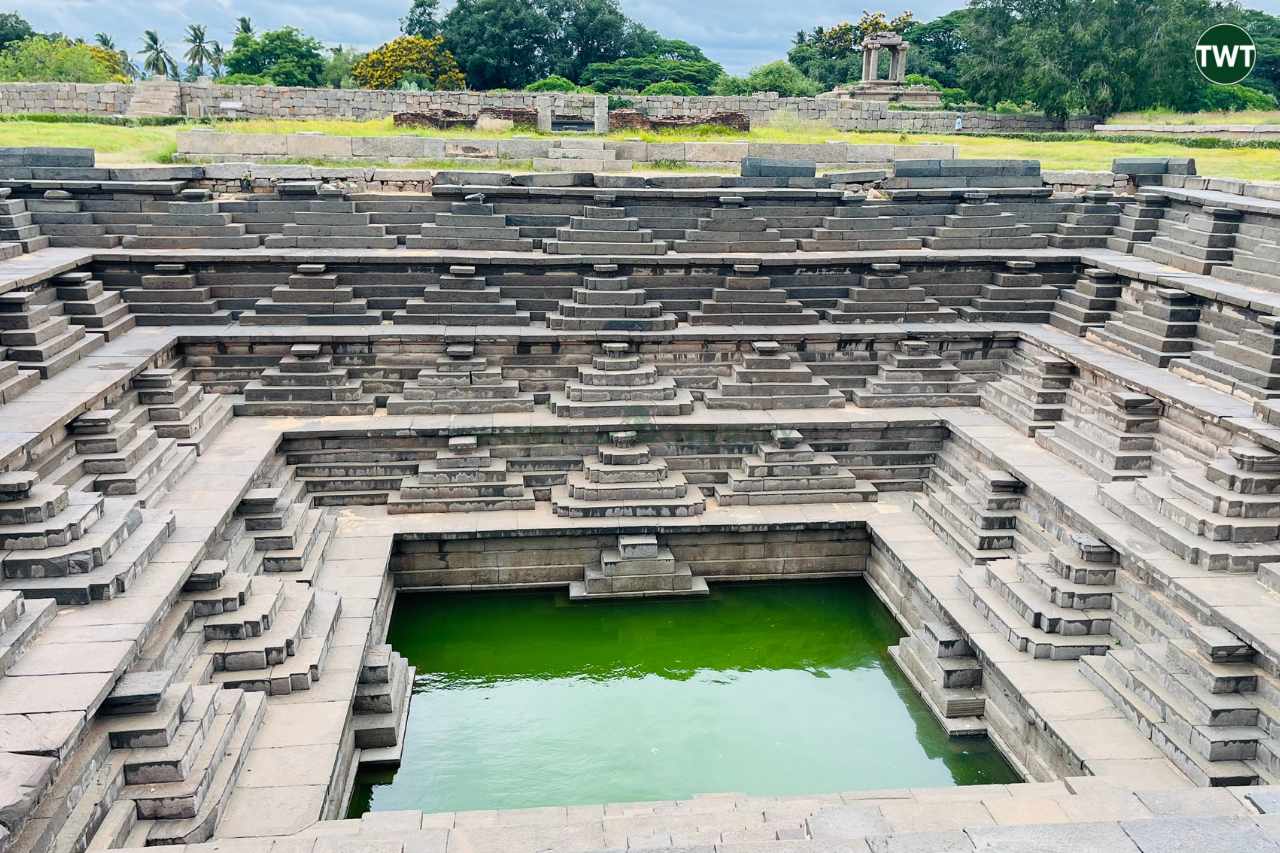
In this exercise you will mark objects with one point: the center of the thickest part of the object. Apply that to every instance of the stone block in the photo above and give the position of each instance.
(383, 147)
(821, 152)
(764, 167)
(318, 146)
(714, 152)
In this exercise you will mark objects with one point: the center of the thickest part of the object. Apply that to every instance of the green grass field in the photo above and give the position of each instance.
(135, 145)
(1162, 117)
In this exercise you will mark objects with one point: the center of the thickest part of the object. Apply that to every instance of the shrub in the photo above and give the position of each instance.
(953, 96)
(554, 83)
(387, 65)
(1237, 97)
(669, 87)
(1011, 107)
(245, 80)
(784, 78)
(619, 103)
(727, 84)
(923, 80)
(285, 57)
(40, 59)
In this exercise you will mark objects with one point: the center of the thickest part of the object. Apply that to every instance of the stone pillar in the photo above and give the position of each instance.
(545, 114)
(600, 113)
(870, 63)
(899, 74)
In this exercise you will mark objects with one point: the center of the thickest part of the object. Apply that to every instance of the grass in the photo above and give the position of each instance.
(120, 145)
(1162, 117)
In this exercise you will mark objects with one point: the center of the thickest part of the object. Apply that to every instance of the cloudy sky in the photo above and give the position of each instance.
(737, 33)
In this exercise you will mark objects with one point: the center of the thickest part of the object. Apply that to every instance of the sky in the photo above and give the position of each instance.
(739, 34)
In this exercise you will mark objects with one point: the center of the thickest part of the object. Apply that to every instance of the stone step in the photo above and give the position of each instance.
(304, 666)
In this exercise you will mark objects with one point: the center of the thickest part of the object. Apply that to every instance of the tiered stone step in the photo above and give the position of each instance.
(305, 655)
(913, 375)
(1018, 295)
(464, 477)
(119, 453)
(886, 296)
(1226, 518)
(462, 298)
(179, 409)
(768, 378)
(733, 227)
(977, 223)
(973, 508)
(1196, 241)
(64, 222)
(380, 708)
(195, 222)
(1110, 436)
(471, 224)
(1088, 223)
(333, 229)
(15, 382)
(604, 229)
(311, 298)
(620, 383)
(609, 303)
(941, 665)
(1138, 222)
(1248, 367)
(787, 470)
(750, 299)
(1196, 698)
(1161, 329)
(18, 231)
(172, 296)
(1032, 394)
(460, 383)
(1089, 304)
(304, 383)
(624, 479)
(571, 154)
(85, 303)
(36, 334)
(859, 226)
(638, 567)
(1255, 263)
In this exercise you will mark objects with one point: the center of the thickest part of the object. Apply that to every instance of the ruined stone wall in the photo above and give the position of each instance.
(87, 98)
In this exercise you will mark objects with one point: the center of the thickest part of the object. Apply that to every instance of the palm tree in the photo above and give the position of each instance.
(217, 57)
(157, 60)
(105, 40)
(199, 53)
(244, 26)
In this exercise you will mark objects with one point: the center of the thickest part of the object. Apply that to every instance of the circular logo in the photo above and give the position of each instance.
(1225, 54)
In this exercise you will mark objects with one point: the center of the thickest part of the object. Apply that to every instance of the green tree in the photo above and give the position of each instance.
(499, 43)
(157, 61)
(217, 58)
(244, 26)
(936, 47)
(583, 32)
(784, 78)
(13, 28)
(421, 19)
(200, 52)
(637, 72)
(41, 59)
(833, 55)
(106, 42)
(337, 69)
(1265, 30)
(285, 56)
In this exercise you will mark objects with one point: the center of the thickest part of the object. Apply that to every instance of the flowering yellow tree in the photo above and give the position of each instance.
(414, 59)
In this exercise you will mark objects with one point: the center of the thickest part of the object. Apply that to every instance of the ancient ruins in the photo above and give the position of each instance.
(1043, 426)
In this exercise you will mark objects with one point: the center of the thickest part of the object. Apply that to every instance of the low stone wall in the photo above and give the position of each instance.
(199, 99)
(206, 145)
(1252, 132)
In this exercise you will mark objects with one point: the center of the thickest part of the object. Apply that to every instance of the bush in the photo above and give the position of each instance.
(726, 84)
(39, 59)
(245, 80)
(922, 80)
(1012, 107)
(386, 66)
(953, 96)
(669, 87)
(1236, 97)
(617, 102)
(285, 57)
(554, 83)
(784, 78)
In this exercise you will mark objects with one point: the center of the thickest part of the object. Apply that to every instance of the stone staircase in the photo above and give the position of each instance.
(1193, 239)
(194, 222)
(119, 451)
(860, 226)
(462, 298)
(460, 383)
(623, 478)
(1160, 329)
(332, 229)
(886, 296)
(18, 231)
(178, 409)
(304, 383)
(1088, 223)
(943, 668)
(979, 223)
(1032, 394)
(1247, 367)
(733, 227)
(604, 229)
(463, 477)
(638, 567)
(380, 708)
(155, 98)
(63, 221)
(1088, 304)
(170, 295)
(787, 470)
(470, 224)
(913, 375)
(749, 299)
(768, 378)
(37, 334)
(608, 303)
(85, 303)
(620, 383)
(1108, 435)
(1139, 222)
(1018, 295)
(312, 297)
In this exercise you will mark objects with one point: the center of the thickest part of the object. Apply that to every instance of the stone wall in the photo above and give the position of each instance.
(1247, 132)
(91, 99)
(300, 103)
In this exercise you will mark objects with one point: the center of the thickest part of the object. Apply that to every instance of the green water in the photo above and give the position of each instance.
(526, 700)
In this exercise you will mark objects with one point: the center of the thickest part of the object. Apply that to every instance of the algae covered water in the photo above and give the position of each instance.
(523, 699)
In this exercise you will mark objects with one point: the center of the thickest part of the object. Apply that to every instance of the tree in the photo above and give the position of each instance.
(635, 73)
(13, 28)
(937, 45)
(499, 43)
(41, 59)
(200, 52)
(338, 69)
(244, 26)
(217, 58)
(583, 32)
(1265, 30)
(285, 56)
(783, 78)
(157, 61)
(833, 55)
(421, 19)
(424, 62)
